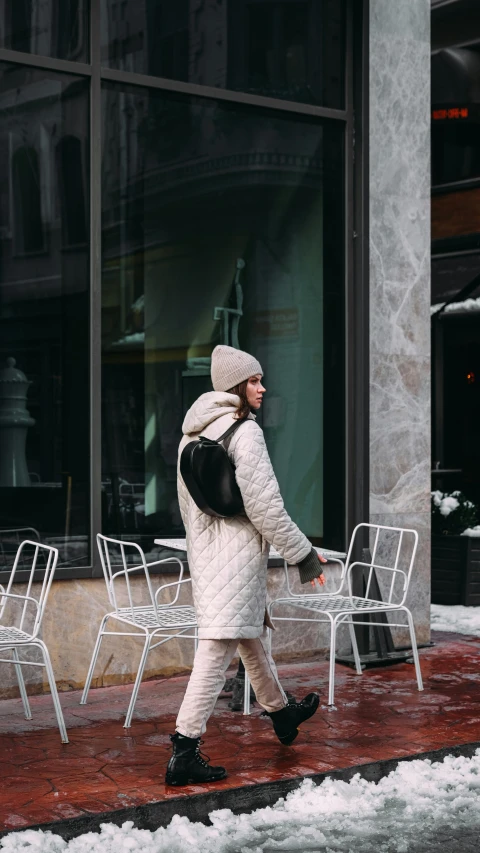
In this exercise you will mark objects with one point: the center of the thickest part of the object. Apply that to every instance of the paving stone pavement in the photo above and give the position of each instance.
(378, 716)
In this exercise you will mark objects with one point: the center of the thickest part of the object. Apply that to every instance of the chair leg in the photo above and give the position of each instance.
(247, 706)
(353, 640)
(138, 680)
(21, 685)
(98, 643)
(53, 690)
(269, 639)
(413, 641)
(246, 696)
(331, 677)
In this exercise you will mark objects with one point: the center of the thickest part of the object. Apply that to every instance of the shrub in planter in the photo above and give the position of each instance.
(452, 513)
(455, 550)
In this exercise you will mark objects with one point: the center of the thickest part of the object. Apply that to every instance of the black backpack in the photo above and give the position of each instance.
(210, 476)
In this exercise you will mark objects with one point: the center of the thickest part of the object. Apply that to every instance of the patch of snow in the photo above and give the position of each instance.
(455, 617)
(419, 798)
(465, 305)
(447, 505)
(129, 340)
(472, 531)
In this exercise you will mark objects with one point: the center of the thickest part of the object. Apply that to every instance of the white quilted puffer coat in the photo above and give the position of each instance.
(228, 556)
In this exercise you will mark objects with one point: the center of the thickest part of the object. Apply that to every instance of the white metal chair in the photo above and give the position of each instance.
(396, 549)
(154, 621)
(21, 616)
(10, 540)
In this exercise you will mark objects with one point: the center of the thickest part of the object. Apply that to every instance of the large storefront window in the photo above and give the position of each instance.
(57, 28)
(44, 310)
(145, 219)
(294, 50)
(456, 251)
(221, 224)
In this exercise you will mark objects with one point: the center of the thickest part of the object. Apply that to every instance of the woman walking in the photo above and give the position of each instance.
(228, 565)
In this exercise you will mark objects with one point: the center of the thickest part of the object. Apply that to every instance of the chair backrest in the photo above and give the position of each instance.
(10, 539)
(120, 560)
(320, 590)
(28, 607)
(132, 490)
(390, 561)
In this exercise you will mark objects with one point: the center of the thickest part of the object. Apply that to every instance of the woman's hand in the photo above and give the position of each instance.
(321, 578)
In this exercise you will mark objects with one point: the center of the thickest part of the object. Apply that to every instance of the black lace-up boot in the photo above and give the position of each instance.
(286, 721)
(187, 766)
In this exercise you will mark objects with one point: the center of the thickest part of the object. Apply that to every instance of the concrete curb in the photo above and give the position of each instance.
(245, 799)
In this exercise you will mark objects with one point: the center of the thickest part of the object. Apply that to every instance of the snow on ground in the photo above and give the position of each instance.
(455, 617)
(419, 800)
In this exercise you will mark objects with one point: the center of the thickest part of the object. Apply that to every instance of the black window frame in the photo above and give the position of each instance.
(354, 468)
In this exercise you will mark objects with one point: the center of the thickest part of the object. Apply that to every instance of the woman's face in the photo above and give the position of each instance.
(255, 391)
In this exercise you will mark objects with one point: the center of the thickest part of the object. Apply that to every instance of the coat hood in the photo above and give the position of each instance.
(209, 407)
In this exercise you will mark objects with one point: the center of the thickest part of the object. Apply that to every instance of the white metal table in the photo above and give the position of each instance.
(181, 545)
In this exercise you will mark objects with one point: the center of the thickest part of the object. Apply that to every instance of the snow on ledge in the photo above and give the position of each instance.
(419, 798)
(466, 305)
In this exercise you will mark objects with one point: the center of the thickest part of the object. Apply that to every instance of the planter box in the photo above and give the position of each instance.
(456, 570)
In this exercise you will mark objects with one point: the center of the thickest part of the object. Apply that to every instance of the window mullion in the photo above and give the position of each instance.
(95, 281)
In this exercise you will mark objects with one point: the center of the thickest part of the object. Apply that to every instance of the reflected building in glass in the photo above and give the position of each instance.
(291, 50)
(189, 185)
(174, 175)
(44, 288)
(204, 183)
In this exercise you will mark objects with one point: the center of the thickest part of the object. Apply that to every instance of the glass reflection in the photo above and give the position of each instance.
(57, 28)
(219, 221)
(44, 313)
(293, 50)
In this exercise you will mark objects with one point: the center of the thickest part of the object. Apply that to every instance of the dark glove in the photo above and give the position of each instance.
(310, 567)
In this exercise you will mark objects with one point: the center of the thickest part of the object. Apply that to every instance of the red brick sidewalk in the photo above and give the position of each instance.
(105, 768)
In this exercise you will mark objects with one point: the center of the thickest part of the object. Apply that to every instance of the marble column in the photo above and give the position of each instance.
(400, 278)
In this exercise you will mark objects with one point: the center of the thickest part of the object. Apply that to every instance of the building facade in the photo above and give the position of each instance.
(177, 175)
(456, 247)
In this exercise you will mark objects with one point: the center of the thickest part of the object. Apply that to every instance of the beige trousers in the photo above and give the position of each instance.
(212, 660)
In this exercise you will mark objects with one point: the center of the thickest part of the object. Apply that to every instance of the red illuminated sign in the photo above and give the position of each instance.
(447, 113)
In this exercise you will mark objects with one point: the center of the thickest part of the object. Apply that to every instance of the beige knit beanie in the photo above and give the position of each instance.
(231, 366)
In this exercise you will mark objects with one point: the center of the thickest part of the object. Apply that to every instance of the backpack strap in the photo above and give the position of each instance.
(231, 429)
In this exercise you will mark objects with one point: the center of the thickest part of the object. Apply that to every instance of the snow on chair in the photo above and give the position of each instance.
(21, 616)
(151, 620)
(393, 555)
